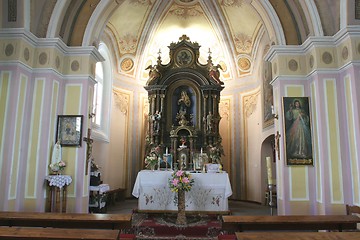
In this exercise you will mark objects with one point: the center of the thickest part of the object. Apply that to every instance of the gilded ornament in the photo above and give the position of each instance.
(127, 64)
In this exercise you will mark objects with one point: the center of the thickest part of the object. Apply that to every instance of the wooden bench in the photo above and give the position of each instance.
(298, 235)
(66, 220)
(10, 233)
(289, 222)
(115, 195)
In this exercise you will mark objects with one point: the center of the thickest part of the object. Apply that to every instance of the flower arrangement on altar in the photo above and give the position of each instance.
(57, 166)
(151, 161)
(215, 152)
(180, 180)
(153, 158)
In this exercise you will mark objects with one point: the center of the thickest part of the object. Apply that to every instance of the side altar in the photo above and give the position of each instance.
(184, 97)
(209, 193)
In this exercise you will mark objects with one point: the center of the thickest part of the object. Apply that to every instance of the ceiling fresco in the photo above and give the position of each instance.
(141, 31)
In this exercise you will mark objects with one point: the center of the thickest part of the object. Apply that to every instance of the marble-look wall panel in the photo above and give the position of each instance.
(72, 106)
(20, 115)
(34, 138)
(353, 144)
(333, 137)
(316, 144)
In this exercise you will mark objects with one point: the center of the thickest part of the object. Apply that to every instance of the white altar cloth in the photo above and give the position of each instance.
(210, 191)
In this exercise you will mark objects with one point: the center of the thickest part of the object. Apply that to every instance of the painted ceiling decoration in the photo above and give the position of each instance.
(137, 32)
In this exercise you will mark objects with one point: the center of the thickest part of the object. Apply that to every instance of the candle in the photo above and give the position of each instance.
(272, 109)
(166, 151)
(269, 170)
(201, 152)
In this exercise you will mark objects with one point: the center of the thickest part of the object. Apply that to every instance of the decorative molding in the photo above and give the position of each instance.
(224, 109)
(121, 101)
(250, 103)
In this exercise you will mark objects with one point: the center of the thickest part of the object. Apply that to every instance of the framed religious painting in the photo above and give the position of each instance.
(69, 130)
(298, 136)
(268, 117)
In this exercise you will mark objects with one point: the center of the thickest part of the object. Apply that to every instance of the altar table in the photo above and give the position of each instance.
(210, 191)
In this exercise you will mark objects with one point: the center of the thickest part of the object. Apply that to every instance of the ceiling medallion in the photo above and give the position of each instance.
(127, 64)
(327, 58)
(345, 53)
(9, 49)
(42, 58)
(244, 64)
(57, 62)
(26, 54)
(293, 65)
(75, 65)
(311, 61)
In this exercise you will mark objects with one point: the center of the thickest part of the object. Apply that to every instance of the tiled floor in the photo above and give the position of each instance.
(236, 207)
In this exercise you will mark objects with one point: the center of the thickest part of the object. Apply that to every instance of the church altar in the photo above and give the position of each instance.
(210, 191)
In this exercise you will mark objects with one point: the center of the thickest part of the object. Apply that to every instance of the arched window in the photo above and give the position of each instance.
(102, 96)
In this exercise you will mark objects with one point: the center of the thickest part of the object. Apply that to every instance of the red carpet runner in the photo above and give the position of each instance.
(162, 226)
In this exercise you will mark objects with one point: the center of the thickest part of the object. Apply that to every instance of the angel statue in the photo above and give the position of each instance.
(153, 73)
(214, 73)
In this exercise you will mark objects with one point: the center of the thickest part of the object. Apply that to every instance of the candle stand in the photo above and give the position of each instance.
(272, 204)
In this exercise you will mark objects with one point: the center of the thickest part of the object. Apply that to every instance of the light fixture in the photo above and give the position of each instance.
(275, 115)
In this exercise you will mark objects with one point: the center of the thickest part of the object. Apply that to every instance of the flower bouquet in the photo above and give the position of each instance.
(181, 182)
(151, 162)
(57, 167)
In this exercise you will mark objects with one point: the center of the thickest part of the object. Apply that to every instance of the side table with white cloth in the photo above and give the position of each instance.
(58, 193)
(97, 198)
(210, 191)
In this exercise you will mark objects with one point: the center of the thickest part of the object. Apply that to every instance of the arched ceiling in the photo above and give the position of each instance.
(138, 31)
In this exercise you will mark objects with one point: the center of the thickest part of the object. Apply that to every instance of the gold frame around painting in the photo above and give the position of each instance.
(298, 135)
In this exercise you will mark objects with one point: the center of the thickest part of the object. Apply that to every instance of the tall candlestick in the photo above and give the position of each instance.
(269, 170)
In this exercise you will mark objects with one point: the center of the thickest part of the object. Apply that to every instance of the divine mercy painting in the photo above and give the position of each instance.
(298, 140)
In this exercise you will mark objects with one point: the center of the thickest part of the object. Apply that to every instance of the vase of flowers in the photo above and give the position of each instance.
(57, 167)
(181, 182)
(151, 162)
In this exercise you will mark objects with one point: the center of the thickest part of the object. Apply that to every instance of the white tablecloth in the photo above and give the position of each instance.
(59, 180)
(210, 191)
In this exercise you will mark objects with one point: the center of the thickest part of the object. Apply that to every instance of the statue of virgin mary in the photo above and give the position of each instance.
(56, 154)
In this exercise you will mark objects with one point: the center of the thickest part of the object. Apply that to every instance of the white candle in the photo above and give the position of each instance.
(272, 109)
(269, 170)
(166, 151)
(201, 151)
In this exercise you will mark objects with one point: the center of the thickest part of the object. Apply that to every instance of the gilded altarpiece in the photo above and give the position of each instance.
(184, 98)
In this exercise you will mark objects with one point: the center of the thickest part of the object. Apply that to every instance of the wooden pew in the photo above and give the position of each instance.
(289, 222)
(298, 235)
(10, 233)
(66, 220)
